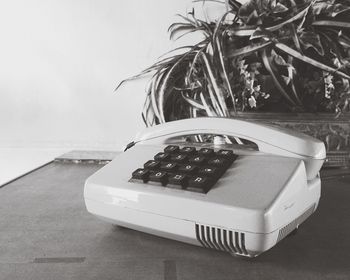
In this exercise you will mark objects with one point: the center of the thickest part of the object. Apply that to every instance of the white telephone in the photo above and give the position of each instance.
(221, 197)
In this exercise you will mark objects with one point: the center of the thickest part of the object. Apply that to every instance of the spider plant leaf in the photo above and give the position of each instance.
(218, 26)
(193, 102)
(203, 1)
(309, 60)
(291, 73)
(344, 41)
(299, 15)
(143, 73)
(286, 79)
(159, 103)
(267, 63)
(186, 19)
(154, 95)
(330, 44)
(329, 9)
(227, 4)
(338, 9)
(206, 27)
(162, 64)
(244, 31)
(212, 98)
(295, 37)
(174, 50)
(176, 24)
(180, 24)
(147, 112)
(333, 23)
(235, 3)
(217, 34)
(172, 59)
(164, 85)
(249, 30)
(183, 29)
(278, 59)
(262, 33)
(248, 49)
(186, 33)
(208, 109)
(193, 63)
(226, 79)
(168, 61)
(190, 88)
(213, 83)
(216, 107)
(279, 8)
(311, 39)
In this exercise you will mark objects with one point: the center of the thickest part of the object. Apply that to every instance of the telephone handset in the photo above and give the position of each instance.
(219, 197)
(270, 140)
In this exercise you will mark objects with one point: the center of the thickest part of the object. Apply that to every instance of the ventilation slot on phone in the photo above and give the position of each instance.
(229, 241)
(294, 224)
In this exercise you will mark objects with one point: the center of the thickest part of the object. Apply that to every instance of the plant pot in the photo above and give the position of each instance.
(334, 132)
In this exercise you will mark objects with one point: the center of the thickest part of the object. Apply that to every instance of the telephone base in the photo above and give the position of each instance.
(239, 201)
(230, 240)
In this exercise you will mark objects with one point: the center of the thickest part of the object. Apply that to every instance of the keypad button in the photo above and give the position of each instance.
(179, 158)
(171, 149)
(206, 152)
(162, 156)
(197, 160)
(200, 184)
(141, 174)
(188, 168)
(188, 150)
(170, 166)
(159, 176)
(212, 172)
(178, 180)
(218, 162)
(152, 164)
(228, 154)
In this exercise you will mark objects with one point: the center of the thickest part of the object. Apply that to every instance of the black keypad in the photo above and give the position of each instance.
(206, 152)
(141, 174)
(218, 162)
(185, 168)
(179, 158)
(152, 164)
(162, 156)
(227, 154)
(200, 184)
(178, 179)
(169, 166)
(159, 176)
(200, 160)
(172, 149)
(188, 168)
(188, 150)
(209, 171)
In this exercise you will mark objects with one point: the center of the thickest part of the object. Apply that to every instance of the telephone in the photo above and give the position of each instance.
(223, 197)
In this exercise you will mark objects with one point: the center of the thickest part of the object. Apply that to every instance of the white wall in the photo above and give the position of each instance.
(60, 61)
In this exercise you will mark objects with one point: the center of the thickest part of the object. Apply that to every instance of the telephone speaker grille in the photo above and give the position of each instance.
(221, 239)
(295, 223)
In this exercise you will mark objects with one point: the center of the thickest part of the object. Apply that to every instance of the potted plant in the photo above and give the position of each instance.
(280, 61)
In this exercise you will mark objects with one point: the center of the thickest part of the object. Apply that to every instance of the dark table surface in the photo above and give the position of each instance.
(46, 233)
